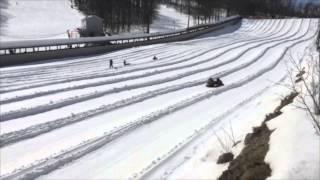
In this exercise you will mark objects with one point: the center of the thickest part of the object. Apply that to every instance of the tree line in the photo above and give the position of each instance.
(263, 8)
(120, 15)
(125, 15)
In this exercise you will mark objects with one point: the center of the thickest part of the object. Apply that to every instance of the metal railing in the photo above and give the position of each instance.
(34, 46)
(19, 52)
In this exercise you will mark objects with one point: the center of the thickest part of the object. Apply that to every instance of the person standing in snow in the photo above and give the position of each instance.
(110, 63)
(69, 35)
(220, 83)
(155, 58)
(125, 63)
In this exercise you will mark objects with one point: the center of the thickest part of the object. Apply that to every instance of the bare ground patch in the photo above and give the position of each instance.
(249, 164)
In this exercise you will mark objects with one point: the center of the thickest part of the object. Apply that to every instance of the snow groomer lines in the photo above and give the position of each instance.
(99, 122)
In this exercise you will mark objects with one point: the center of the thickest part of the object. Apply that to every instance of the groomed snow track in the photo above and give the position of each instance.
(78, 119)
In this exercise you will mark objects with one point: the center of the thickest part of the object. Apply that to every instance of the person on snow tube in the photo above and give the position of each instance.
(214, 82)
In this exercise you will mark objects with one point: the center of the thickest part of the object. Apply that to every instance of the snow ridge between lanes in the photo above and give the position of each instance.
(54, 162)
(42, 93)
(49, 126)
(254, 39)
(46, 107)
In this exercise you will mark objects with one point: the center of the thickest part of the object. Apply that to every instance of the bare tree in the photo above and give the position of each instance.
(229, 141)
(308, 88)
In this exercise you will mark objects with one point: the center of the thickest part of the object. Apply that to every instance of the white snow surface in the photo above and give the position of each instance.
(50, 19)
(34, 19)
(169, 19)
(77, 119)
(295, 144)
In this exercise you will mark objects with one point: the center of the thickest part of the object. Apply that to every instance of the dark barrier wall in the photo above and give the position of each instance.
(16, 59)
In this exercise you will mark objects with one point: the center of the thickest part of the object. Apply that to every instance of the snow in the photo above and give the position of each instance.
(33, 19)
(294, 145)
(47, 19)
(202, 164)
(203, 159)
(78, 119)
(169, 19)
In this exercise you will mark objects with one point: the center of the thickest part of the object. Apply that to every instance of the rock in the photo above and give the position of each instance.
(224, 158)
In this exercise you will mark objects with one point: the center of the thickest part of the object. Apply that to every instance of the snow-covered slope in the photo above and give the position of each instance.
(169, 19)
(34, 19)
(47, 19)
(77, 118)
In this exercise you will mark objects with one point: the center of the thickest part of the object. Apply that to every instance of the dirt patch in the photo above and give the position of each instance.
(224, 158)
(249, 164)
(272, 115)
(285, 101)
